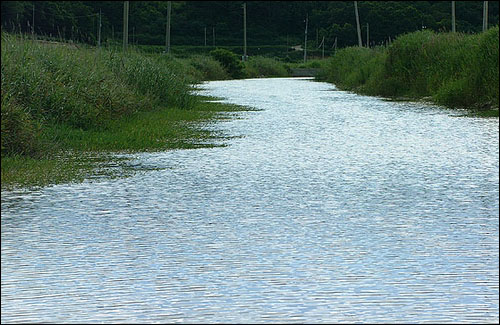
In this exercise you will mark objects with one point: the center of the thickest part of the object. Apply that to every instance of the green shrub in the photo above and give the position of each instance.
(229, 61)
(258, 66)
(209, 68)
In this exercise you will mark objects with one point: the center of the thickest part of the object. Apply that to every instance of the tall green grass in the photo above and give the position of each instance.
(84, 89)
(456, 70)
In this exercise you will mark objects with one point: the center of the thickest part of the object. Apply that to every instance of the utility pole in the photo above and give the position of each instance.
(323, 51)
(213, 36)
(360, 43)
(305, 41)
(205, 37)
(245, 31)
(33, 25)
(453, 24)
(367, 35)
(125, 25)
(99, 33)
(485, 16)
(167, 41)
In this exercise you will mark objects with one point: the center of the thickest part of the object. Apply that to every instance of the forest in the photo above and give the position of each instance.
(220, 23)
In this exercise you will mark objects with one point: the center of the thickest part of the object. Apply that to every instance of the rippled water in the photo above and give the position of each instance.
(330, 207)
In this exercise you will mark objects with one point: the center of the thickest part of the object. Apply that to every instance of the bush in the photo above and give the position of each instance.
(209, 68)
(229, 61)
(258, 66)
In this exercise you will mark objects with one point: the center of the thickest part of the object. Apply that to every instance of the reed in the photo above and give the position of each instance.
(455, 70)
(80, 88)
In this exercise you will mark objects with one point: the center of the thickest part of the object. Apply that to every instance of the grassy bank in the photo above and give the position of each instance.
(78, 154)
(62, 105)
(455, 70)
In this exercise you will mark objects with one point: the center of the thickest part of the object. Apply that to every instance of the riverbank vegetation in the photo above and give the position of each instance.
(452, 69)
(63, 103)
(60, 103)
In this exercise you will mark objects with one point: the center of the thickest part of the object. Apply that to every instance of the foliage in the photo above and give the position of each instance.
(209, 68)
(230, 61)
(258, 66)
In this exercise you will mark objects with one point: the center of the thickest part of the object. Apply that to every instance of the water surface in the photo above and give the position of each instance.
(328, 207)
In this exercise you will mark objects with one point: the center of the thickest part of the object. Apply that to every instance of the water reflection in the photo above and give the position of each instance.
(327, 207)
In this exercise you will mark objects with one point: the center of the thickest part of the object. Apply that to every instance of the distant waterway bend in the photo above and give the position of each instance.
(323, 207)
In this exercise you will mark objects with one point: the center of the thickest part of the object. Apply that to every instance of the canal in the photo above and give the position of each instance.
(323, 206)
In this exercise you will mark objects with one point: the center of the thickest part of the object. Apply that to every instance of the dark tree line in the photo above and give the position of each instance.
(268, 22)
